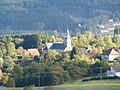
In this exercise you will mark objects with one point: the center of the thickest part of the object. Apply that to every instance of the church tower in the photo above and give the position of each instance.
(68, 42)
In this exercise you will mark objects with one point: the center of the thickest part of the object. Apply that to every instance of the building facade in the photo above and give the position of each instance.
(110, 55)
(114, 70)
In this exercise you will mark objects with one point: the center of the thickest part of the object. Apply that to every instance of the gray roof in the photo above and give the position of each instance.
(60, 46)
(116, 68)
(111, 51)
(56, 46)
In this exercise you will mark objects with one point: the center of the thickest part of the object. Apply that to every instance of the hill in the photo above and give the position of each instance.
(56, 14)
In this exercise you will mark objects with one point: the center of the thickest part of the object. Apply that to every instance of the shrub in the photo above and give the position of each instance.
(49, 88)
(98, 78)
(28, 88)
(10, 82)
(105, 77)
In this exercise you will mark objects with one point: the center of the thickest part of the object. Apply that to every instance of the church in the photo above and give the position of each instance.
(60, 46)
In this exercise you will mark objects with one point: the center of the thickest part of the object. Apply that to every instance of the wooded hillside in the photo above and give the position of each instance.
(56, 14)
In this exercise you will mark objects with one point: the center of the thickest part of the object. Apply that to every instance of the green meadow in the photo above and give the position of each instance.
(78, 85)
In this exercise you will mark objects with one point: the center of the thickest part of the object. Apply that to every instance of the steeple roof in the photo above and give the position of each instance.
(68, 34)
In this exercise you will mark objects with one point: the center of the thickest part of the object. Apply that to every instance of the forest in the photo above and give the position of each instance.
(38, 15)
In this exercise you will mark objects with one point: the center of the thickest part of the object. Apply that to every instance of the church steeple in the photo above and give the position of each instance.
(68, 34)
(68, 41)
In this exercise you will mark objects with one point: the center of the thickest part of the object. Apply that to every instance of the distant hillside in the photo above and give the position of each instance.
(56, 14)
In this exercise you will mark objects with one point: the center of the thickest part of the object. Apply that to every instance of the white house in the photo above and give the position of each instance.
(110, 55)
(104, 30)
(114, 70)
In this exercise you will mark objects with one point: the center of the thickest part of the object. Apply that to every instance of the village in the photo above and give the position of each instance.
(108, 27)
(66, 51)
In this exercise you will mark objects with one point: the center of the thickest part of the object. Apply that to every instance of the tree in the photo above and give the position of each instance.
(51, 55)
(1, 54)
(20, 50)
(28, 88)
(117, 30)
(25, 55)
(32, 73)
(37, 58)
(108, 42)
(2, 49)
(83, 64)
(8, 64)
(73, 52)
(60, 73)
(4, 79)
(95, 68)
(17, 75)
(1, 62)
(89, 35)
(58, 40)
(49, 79)
(116, 40)
(11, 51)
(10, 82)
(18, 42)
(1, 74)
(74, 71)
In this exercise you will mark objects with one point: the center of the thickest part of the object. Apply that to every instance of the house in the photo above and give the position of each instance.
(110, 55)
(33, 52)
(60, 46)
(106, 29)
(1, 74)
(116, 24)
(114, 70)
(85, 50)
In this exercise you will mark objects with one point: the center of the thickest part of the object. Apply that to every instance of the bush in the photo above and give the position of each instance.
(105, 77)
(98, 78)
(28, 88)
(85, 80)
(10, 82)
(49, 88)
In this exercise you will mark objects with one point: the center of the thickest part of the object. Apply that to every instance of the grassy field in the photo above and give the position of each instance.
(78, 85)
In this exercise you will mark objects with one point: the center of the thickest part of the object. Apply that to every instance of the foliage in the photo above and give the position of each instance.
(18, 75)
(56, 15)
(10, 82)
(49, 88)
(52, 67)
(99, 78)
(96, 68)
(4, 79)
(28, 88)
(117, 30)
(8, 64)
